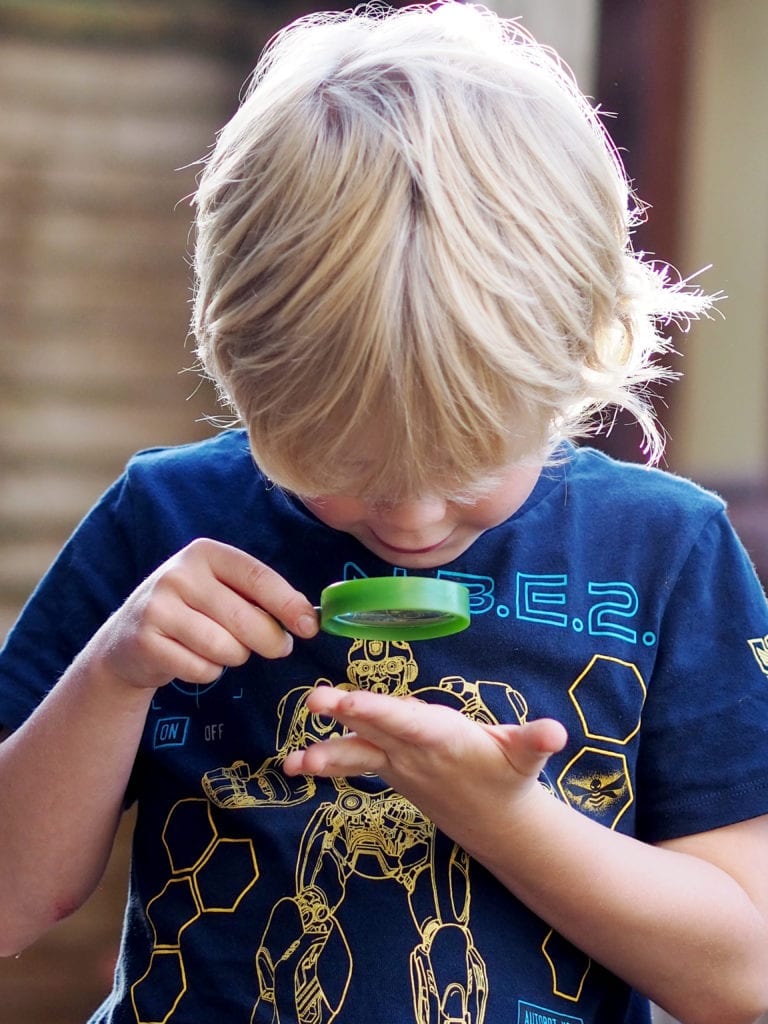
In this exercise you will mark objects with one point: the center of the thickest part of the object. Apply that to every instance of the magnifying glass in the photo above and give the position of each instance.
(394, 608)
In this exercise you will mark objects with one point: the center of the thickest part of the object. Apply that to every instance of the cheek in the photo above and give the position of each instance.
(338, 513)
(487, 514)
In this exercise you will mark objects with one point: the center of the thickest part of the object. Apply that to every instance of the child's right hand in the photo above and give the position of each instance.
(205, 609)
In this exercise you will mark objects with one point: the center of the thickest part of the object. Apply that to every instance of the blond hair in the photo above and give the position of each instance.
(415, 231)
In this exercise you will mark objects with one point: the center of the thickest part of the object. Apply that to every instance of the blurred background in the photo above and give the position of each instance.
(105, 105)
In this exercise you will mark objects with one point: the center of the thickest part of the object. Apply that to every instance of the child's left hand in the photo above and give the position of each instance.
(446, 764)
(698, 900)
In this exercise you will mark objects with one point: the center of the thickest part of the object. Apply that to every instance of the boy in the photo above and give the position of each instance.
(415, 287)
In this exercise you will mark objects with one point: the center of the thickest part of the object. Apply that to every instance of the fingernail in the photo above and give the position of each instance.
(306, 626)
(288, 644)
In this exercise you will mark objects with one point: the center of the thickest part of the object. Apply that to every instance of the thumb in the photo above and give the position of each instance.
(528, 747)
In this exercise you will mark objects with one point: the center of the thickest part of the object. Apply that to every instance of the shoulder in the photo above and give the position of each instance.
(639, 490)
(214, 471)
(209, 488)
(224, 455)
(650, 516)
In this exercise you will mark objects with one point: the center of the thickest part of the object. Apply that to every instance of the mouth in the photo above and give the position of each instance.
(410, 551)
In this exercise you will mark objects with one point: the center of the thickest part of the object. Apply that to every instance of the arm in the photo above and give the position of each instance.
(65, 771)
(685, 922)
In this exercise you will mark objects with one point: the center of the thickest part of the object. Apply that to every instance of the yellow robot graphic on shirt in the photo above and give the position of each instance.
(366, 832)
(370, 832)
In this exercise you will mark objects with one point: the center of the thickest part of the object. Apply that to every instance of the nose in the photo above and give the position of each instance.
(410, 515)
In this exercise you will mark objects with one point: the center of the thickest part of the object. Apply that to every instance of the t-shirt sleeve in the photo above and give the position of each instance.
(703, 760)
(92, 576)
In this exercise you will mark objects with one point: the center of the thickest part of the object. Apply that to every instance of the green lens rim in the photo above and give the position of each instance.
(445, 598)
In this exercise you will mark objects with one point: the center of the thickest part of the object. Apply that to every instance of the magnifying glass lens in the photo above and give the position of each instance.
(395, 617)
(394, 608)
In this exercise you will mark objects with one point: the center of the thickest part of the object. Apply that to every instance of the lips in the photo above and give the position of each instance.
(410, 551)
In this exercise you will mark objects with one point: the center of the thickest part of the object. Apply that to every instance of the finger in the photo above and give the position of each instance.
(403, 727)
(259, 584)
(189, 667)
(201, 635)
(336, 757)
(528, 747)
(151, 658)
(229, 624)
(253, 602)
(210, 619)
(378, 718)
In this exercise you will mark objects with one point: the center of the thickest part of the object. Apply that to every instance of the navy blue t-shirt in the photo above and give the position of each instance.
(617, 600)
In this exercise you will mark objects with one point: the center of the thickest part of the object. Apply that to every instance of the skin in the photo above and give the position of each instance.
(685, 922)
(427, 532)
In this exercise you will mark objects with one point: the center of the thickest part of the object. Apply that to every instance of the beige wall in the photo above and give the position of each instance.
(94, 283)
(94, 292)
(721, 427)
(570, 26)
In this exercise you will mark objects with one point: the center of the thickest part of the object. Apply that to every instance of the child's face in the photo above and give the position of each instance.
(423, 533)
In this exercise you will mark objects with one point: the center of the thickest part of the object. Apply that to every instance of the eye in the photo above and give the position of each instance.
(394, 666)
